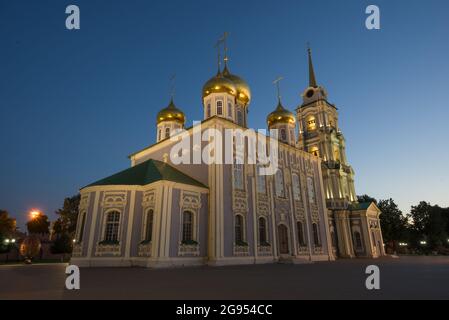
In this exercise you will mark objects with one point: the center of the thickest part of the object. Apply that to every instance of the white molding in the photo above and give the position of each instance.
(93, 224)
(130, 224)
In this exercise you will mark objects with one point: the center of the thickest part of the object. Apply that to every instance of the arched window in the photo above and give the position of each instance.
(82, 222)
(283, 135)
(167, 133)
(262, 231)
(311, 123)
(358, 240)
(230, 110)
(301, 239)
(296, 187)
(112, 226)
(187, 226)
(315, 151)
(208, 111)
(316, 235)
(219, 107)
(149, 225)
(311, 189)
(240, 118)
(279, 181)
(238, 229)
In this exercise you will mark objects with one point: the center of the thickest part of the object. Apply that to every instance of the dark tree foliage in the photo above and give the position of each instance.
(65, 227)
(393, 223)
(7, 224)
(39, 225)
(429, 223)
(366, 198)
(68, 216)
(62, 244)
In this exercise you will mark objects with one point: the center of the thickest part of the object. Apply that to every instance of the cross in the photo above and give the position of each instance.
(224, 40)
(172, 85)
(276, 82)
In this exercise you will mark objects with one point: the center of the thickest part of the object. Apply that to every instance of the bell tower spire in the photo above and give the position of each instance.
(312, 78)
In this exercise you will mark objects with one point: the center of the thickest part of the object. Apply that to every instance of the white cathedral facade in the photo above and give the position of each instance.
(157, 214)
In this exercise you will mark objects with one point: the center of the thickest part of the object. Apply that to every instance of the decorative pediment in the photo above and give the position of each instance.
(239, 201)
(84, 202)
(149, 199)
(114, 199)
(190, 200)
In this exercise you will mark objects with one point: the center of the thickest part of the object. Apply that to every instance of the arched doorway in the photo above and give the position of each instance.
(283, 239)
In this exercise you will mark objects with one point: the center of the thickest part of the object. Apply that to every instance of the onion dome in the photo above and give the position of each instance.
(171, 113)
(219, 84)
(243, 90)
(280, 115)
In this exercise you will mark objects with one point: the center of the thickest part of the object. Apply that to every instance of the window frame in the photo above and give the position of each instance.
(192, 226)
(117, 224)
(263, 232)
(242, 232)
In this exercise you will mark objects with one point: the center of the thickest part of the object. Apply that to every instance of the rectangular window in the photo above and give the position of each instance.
(296, 187)
(220, 107)
(230, 110)
(238, 176)
(311, 189)
(279, 183)
(261, 182)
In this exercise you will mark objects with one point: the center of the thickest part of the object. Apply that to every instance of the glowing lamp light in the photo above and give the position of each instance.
(13, 240)
(6, 241)
(423, 243)
(403, 244)
(74, 240)
(34, 214)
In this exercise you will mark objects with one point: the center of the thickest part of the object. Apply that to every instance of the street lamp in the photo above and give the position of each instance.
(34, 214)
(423, 243)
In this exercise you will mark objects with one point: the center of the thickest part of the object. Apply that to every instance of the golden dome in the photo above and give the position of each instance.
(243, 90)
(281, 115)
(171, 113)
(219, 84)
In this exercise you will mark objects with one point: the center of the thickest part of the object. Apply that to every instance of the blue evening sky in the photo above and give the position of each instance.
(74, 104)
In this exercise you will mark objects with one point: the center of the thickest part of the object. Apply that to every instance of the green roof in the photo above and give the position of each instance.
(360, 206)
(145, 173)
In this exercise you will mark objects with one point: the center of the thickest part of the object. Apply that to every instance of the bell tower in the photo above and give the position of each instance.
(320, 135)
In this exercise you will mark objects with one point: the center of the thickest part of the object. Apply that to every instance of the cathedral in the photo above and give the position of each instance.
(161, 214)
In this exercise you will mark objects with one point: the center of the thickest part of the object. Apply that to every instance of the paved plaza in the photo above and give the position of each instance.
(403, 278)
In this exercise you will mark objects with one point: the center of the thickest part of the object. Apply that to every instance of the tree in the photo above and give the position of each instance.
(428, 223)
(366, 198)
(7, 224)
(7, 228)
(38, 225)
(393, 223)
(68, 216)
(64, 228)
(62, 244)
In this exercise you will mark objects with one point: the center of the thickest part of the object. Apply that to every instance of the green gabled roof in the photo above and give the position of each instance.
(145, 173)
(360, 206)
